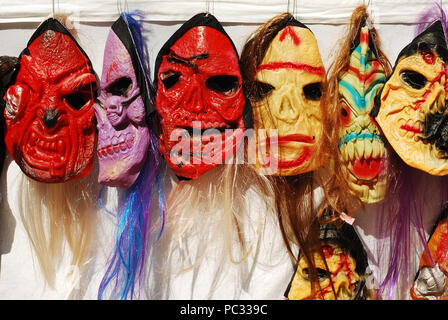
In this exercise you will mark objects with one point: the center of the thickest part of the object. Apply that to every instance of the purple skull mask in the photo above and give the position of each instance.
(123, 135)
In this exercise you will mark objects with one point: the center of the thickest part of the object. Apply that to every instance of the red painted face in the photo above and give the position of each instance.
(200, 81)
(49, 115)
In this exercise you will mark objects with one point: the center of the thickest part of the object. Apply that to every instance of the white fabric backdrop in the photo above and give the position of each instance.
(240, 11)
(19, 277)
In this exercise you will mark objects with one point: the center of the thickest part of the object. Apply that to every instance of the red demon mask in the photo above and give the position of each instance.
(49, 111)
(200, 92)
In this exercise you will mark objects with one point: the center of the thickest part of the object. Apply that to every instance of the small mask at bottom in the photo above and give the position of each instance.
(361, 145)
(347, 263)
(50, 120)
(122, 106)
(431, 282)
(287, 93)
(412, 110)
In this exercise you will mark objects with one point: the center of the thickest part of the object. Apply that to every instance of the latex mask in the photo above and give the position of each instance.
(50, 124)
(290, 81)
(431, 282)
(199, 87)
(123, 104)
(412, 109)
(361, 145)
(346, 261)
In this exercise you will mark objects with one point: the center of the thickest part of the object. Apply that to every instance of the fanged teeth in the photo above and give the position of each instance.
(46, 150)
(362, 149)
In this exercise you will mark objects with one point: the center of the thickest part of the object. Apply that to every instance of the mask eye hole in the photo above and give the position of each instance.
(261, 90)
(224, 84)
(170, 78)
(120, 87)
(413, 79)
(345, 114)
(322, 274)
(78, 100)
(313, 91)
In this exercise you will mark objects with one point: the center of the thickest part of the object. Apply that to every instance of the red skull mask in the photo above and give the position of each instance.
(199, 86)
(49, 111)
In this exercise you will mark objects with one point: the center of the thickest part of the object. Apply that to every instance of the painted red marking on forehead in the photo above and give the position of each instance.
(429, 57)
(328, 251)
(291, 65)
(364, 37)
(113, 67)
(289, 31)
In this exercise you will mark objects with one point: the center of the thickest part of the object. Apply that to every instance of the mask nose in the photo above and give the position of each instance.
(193, 100)
(115, 111)
(288, 105)
(50, 118)
(113, 104)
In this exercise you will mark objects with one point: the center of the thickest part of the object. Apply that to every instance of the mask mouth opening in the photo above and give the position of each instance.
(208, 131)
(49, 154)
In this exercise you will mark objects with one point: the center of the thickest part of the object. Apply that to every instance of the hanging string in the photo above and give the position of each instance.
(294, 9)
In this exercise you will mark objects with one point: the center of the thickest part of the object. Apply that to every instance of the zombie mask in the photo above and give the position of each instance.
(412, 109)
(431, 282)
(199, 97)
(346, 260)
(289, 83)
(49, 113)
(361, 146)
(124, 101)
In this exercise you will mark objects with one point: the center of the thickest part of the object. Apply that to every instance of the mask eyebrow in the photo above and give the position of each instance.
(86, 81)
(174, 58)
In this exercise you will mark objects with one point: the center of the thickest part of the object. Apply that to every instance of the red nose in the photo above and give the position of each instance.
(193, 99)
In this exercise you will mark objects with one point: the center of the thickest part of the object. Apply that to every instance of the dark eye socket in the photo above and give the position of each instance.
(414, 79)
(313, 91)
(170, 78)
(344, 112)
(78, 100)
(261, 90)
(321, 273)
(222, 84)
(120, 87)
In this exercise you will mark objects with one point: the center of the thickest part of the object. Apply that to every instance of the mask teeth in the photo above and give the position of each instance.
(362, 149)
(119, 144)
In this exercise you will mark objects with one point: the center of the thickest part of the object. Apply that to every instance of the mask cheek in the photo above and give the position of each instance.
(136, 112)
